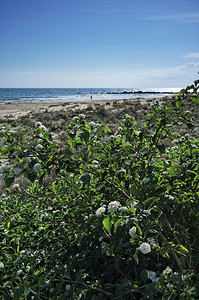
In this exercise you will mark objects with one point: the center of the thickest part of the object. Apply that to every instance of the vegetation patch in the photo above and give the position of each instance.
(101, 208)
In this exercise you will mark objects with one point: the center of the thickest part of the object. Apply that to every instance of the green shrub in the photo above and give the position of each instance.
(110, 215)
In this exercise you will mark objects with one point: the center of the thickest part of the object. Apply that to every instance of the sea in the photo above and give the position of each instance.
(22, 95)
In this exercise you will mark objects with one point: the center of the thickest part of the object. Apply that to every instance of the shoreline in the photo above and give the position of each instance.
(15, 110)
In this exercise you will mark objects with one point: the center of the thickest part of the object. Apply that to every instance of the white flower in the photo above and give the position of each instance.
(100, 210)
(127, 117)
(175, 273)
(123, 208)
(124, 222)
(95, 164)
(151, 274)
(16, 171)
(114, 205)
(15, 186)
(38, 147)
(132, 231)
(81, 116)
(107, 253)
(145, 180)
(169, 286)
(67, 287)
(2, 177)
(43, 127)
(7, 283)
(3, 168)
(167, 271)
(92, 124)
(38, 124)
(155, 279)
(145, 248)
(37, 167)
(19, 272)
(1, 265)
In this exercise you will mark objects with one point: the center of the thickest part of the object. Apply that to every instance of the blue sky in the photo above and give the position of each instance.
(99, 43)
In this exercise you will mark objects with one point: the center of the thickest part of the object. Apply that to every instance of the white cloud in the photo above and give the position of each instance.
(173, 77)
(192, 55)
(182, 18)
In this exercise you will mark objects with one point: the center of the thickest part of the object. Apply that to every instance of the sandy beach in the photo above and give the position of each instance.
(15, 110)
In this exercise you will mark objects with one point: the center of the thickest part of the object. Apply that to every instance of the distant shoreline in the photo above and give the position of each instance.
(140, 92)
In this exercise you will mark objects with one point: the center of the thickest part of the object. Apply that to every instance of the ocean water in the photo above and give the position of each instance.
(22, 95)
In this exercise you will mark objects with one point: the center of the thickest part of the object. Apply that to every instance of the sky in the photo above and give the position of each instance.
(99, 43)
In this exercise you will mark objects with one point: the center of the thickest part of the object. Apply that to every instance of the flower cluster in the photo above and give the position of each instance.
(145, 248)
(167, 271)
(16, 171)
(152, 276)
(40, 125)
(37, 167)
(100, 210)
(106, 248)
(132, 231)
(124, 221)
(15, 186)
(38, 147)
(113, 206)
(3, 168)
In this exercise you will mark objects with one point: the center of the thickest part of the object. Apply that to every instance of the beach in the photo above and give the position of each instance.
(15, 110)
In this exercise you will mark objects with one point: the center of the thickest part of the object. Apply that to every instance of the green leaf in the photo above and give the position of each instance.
(39, 271)
(103, 128)
(18, 293)
(126, 145)
(132, 209)
(135, 190)
(85, 137)
(71, 143)
(107, 224)
(135, 256)
(139, 229)
(181, 92)
(195, 99)
(117, 223)
(85, 179)
(178, 102)
(67, 152)
(9, 181)
(143, 275)
(161, 148)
